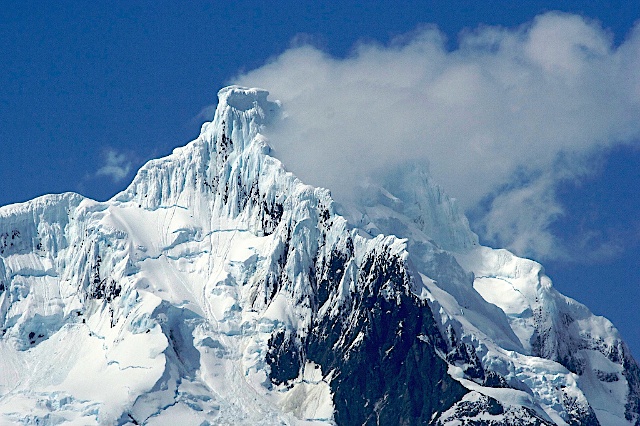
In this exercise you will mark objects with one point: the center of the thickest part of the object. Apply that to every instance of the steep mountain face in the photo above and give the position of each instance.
(219, 289)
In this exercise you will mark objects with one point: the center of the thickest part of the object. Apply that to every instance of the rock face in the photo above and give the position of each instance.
(218, 288)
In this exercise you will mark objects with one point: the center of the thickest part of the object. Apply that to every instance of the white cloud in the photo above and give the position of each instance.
(506, 101)
(116, 166)
(520, 218)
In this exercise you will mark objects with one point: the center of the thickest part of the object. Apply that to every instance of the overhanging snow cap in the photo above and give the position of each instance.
(244, 98)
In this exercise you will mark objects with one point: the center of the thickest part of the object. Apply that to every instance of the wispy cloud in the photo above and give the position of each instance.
(205, 114)
(506, 102)
(116, 166)
(520, 219)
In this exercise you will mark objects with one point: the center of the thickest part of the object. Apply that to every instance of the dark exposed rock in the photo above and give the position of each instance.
(386, 373)
(283, 357)
(579, 414)
(482, 410)
(494, 380)
(632, 374)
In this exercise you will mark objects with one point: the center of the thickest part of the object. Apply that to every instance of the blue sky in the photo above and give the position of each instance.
(88, 94)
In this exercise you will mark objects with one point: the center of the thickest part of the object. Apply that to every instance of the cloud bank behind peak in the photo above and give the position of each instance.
(535, 101)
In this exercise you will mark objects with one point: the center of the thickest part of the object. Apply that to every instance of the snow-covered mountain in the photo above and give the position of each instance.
(220, 289)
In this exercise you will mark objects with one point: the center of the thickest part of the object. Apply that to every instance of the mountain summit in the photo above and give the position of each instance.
(220, 289)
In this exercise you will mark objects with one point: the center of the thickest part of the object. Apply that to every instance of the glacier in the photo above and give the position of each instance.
(220, 289)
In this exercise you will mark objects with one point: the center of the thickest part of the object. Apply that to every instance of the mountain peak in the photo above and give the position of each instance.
(244, 98)
(244, 109)
(220, 288)
(408, 204)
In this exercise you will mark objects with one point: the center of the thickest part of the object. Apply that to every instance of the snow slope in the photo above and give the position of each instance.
(219, 289)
